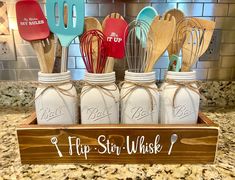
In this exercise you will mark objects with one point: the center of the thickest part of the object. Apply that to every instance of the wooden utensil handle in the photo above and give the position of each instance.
(109, 65)
(64, 59)
(38, 48)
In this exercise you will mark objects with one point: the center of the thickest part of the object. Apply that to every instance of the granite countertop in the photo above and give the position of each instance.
(11, 168)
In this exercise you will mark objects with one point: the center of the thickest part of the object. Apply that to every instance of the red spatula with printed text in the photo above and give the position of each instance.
(33, 27)
(114, 27)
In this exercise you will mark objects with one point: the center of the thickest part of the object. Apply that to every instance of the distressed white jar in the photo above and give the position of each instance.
(139, 105)
(100, 99)
(56, 99)
(186, 103)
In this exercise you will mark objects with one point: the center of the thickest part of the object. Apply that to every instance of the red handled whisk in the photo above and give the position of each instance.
(94, 50)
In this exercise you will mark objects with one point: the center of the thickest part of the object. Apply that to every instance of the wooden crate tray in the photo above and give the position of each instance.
(117, 143)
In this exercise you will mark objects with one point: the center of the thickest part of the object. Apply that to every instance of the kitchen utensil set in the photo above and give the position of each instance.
(33, 27)
(147, 37)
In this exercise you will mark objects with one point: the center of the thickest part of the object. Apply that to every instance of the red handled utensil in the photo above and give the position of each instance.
(33, 27)
(114, 31)
(114, 27)
(31, 21)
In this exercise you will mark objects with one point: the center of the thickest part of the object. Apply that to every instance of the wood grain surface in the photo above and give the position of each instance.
(195, 143)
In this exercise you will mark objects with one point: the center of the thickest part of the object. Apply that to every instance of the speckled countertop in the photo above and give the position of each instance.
(11, 168)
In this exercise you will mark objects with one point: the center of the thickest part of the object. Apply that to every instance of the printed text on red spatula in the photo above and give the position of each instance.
(31, 22)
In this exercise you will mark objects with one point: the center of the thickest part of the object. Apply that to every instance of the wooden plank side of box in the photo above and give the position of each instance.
(117, 144)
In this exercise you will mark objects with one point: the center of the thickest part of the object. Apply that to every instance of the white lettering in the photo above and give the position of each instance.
(108, 147)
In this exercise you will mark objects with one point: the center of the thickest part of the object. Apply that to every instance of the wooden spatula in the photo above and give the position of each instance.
(208, 28)
(199, 35)
(161, 32)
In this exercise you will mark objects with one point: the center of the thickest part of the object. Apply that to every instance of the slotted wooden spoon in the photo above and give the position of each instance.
(161, 33)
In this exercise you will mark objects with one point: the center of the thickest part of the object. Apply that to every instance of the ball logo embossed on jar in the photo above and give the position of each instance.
(48, 113)
(182, 111)
(56, 99)
(139, 99)
(95, 113)
(100, 99)
(179, 98)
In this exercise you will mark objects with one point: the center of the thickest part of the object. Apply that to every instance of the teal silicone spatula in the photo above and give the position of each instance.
(74, 27)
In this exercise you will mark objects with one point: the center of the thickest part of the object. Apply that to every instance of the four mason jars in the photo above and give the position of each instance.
(177, 102)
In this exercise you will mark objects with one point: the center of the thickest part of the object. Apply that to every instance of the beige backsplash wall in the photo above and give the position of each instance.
(222, 11)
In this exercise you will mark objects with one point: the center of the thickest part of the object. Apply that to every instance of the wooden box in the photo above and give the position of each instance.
(45, 144)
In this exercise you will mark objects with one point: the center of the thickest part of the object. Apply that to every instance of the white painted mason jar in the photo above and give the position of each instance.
(100, 99)
(56, 99)
(184, 108)
(139, 99)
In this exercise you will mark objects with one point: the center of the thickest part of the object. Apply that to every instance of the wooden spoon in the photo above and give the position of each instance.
(161, 32)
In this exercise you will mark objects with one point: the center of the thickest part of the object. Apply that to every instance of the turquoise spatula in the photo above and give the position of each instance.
(74, 27)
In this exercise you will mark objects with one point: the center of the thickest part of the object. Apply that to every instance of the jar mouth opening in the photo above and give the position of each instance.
(99, 74)
(140, 77)
(181, 73)
(100, 78)
(191, 75)
(54, 77)
(42, 74)
(139, 74)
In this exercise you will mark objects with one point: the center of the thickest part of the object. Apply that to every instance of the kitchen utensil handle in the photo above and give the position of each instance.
(169, 152)
(109, 65)
(64, 60)
(38, 48)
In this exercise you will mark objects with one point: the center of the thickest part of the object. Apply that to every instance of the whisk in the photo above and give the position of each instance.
(136, 49)
(193, 44)
(94, 49)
